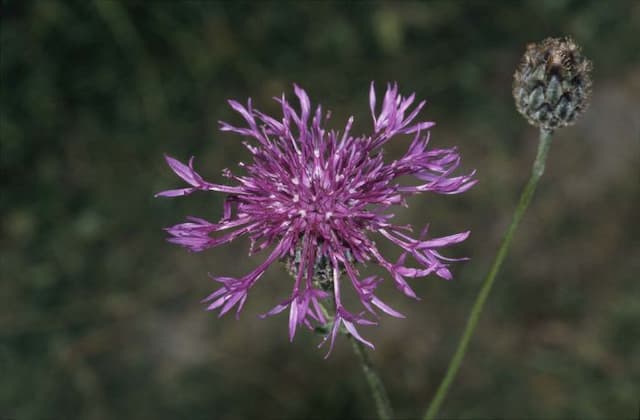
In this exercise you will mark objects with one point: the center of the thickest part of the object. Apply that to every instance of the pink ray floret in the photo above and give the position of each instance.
(311, 194)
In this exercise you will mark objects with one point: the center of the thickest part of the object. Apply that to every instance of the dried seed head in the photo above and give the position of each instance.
(552, 84)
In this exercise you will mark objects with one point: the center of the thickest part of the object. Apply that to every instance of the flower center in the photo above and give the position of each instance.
(322, 268)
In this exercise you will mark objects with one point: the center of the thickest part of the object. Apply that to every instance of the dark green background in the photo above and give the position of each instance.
(100, 317)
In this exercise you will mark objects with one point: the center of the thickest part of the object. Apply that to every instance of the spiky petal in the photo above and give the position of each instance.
(313, 195)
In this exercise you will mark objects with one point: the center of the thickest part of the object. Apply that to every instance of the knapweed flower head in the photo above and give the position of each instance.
(552, 84)
(315, 197)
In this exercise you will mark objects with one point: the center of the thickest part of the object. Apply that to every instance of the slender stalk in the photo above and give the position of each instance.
(378, 391)
(472, 321)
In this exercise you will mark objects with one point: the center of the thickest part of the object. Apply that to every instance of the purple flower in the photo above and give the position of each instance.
(314, 196)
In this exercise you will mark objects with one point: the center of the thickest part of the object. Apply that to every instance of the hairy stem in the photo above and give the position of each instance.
(472, 321)
(378, 391)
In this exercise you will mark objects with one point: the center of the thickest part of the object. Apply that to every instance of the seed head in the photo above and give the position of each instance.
(552, 84)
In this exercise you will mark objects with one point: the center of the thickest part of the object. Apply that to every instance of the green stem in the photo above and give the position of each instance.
(472, 321)
(378, 391)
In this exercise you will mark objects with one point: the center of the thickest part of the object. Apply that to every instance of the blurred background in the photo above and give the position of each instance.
(100, 317)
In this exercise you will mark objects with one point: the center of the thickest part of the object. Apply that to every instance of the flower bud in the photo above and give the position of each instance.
(552, 84)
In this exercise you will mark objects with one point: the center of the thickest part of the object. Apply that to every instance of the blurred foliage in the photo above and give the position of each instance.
(100, 317)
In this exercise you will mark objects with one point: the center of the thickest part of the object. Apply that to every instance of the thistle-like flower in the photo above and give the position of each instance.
(552, 85)
(313, 196)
